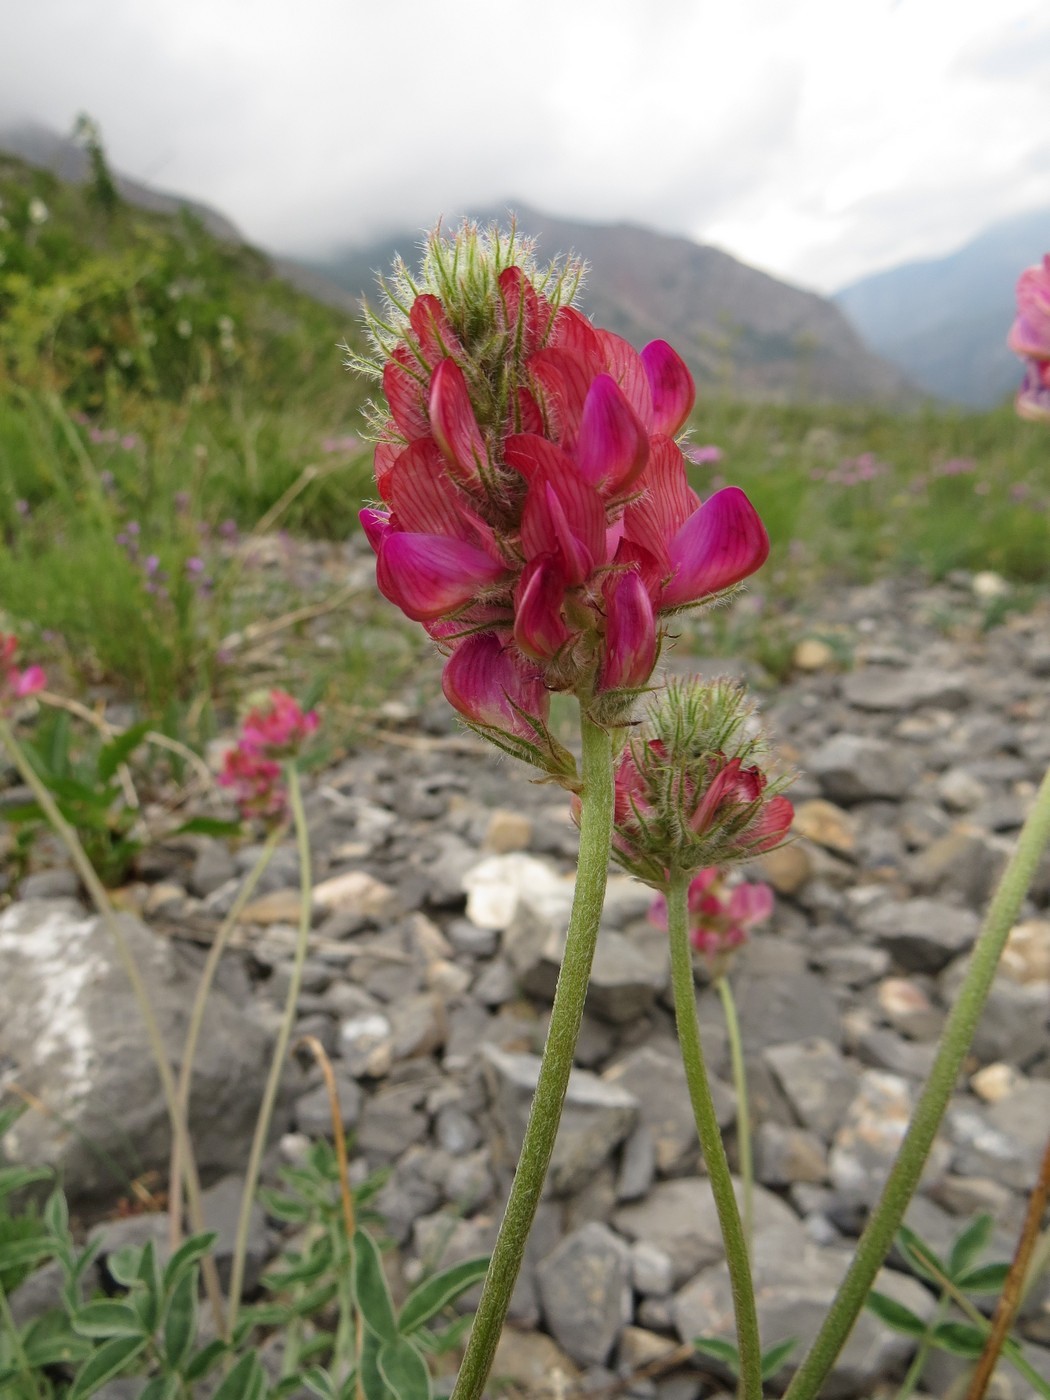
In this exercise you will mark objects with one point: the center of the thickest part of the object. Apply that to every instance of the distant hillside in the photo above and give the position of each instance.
(944, 321)
(740, 330)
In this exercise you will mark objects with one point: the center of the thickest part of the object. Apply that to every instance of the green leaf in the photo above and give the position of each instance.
(49, 1341)
(916, 1251)
(372, 1383)
(971, 1243)
(207, 826)
(895, 1314)
(120, 749)
(428, 1298)
(959, 1338)
(404, 1370)
(985, 1278)
(204, 1360)
(14, 1178)
(161, 1388)
(180, 1324)
(190, 1252)
(242, 1380)
(775, 1356)
(719, 1350)
(370, 1288)
(317, 1380)
(123, 1264)
(109, 1361)
(18, 1254)
(9, 1117)
(438, 1343)
(56, 1213)
(108, 1318)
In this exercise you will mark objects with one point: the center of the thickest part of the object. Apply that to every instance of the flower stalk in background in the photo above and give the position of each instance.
(272, 731)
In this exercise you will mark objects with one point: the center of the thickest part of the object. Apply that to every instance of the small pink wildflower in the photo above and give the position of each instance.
(1030, 338)
(705, 454)
(719, 916)
(251, 768)
(16, 684)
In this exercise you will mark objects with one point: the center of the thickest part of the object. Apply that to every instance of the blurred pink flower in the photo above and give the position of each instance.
(279, 729)
(706, 454)
(251, 767)
(1030, 333)
(16, 684)
(719, 916)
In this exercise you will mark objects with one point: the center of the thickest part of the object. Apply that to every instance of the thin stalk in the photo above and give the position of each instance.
(101, 901)
(18, 1350)
(918, 1364)
(189, 1054)
(551, 1086)
(280, 1050)
(711, 1144)
(1010, 1298)
(743, 1109)
(874, 1243)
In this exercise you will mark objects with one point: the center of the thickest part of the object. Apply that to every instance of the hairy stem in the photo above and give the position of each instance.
(901, 1184)
(553, 1082)
(743, 1110)
(711, 1144)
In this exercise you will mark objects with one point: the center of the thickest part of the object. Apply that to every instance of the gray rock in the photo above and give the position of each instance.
(866, 1145)
(313, 1113)
(72, 1034)
(794, 1285)
(391, 1122)
(679, 1217)
(584, 1293)
(820, 1084)
(922, 935)
(652, 1271)
(657, 1082)
(854, 768)
(50, 884)
(213, 866)
(1005, 1141)
(637, 1165)
(596, 1119)
(1013, 1024)
(886, 688)
(787, 1155)
(777, 1010)
(966, 862)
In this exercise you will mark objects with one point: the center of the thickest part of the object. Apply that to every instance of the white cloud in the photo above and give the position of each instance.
(816, 139)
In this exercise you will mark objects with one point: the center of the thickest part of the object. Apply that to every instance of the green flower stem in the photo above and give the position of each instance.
(711, 1142)
(200, 1001)
(903, 1180)
(18, 1350)
(280, 1050)
(102, 903)
(743, 1110)
(566, 1015)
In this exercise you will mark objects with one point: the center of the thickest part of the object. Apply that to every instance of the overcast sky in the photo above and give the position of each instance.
(817, 139)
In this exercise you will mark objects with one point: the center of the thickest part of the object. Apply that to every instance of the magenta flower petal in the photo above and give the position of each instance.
(28, 682)
(539, 626)
(671, 386)
(772, 826)
(720, 544)
(624, 363)
(455, 426)
(613, 446)
(666, 503)
(376, 525)
(630, 634)
(1030, 333)
(484, 681)
(566, 519)
(750, 903)
(422, 495)
(403, 384)
(436, 337)
(428, 576)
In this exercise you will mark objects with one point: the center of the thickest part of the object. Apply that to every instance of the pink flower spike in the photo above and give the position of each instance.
(671, 385)
(454, 426)
(720, 544)
(772, 826)
(630, 634)
(613, 446)
(278, 730)
(484, 681)
(428, 576)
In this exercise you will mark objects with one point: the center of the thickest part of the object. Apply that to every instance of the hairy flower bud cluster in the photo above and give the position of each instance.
(720, 915)
(1030, 338)
(690, 792)
(536, 516)
(251, 768)
(16, 684)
